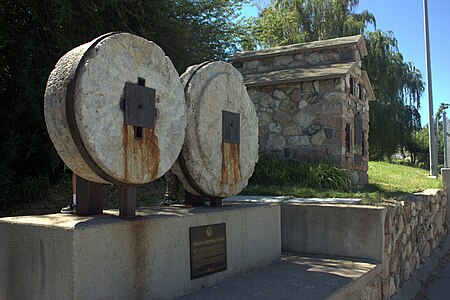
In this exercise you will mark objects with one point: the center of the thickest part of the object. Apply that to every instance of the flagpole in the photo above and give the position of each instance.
(433, 148)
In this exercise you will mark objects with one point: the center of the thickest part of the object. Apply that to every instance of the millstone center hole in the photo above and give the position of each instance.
(141, 81)
(138, 132)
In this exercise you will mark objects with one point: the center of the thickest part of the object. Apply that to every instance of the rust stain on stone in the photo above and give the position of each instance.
(142, 156)
(231, 170)
(139, 261)
(151, 149)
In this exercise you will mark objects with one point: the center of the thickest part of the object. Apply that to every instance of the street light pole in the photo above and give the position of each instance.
(433, 148)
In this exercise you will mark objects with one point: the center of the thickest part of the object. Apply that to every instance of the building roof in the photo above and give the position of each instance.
(321, 72)
(298, 74)
(357, 40)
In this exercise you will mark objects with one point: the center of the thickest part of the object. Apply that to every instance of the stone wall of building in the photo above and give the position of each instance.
(304, 59)
(302, 120)
(305, 117)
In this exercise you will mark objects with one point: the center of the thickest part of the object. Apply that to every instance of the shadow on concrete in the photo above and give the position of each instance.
(294, 276)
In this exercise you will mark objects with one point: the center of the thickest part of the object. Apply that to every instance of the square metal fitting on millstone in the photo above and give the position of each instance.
(231, 125)
(139, 105)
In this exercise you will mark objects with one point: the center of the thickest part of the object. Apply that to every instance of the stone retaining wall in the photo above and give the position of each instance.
(413, 229)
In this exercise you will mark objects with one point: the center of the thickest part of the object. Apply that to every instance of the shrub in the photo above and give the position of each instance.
(32, 189)
(314, 175)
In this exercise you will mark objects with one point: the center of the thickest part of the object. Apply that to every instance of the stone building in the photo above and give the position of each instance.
(312, 101)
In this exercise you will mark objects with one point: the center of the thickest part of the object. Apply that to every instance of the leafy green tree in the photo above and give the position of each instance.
(284, 22)
(35, 34)
(397, 84)
(418, 147)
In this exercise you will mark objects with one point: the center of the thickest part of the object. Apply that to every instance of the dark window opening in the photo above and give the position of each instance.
(352, 85)
(360, 93)
(348, 139)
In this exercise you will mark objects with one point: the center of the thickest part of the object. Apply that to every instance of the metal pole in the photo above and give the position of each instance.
(444, 121)
(436, 142)
(433, 148)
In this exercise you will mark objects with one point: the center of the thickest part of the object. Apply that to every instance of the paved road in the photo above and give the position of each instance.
(440, 288)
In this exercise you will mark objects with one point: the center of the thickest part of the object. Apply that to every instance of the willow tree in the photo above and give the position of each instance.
(397, 84)
(284, 22)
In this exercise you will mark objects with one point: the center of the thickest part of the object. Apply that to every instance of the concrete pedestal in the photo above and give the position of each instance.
(104, 257)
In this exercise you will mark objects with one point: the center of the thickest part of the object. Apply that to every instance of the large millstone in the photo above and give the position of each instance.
(221, 144)
(100, 114)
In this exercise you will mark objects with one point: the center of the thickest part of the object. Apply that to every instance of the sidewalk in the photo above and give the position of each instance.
(432, 281)
(296, 277)
(440, 288)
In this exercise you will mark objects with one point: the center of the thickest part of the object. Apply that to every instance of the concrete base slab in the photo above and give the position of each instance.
(325, 200)
(148, 257)
(296, 277)
(289, 199)
(256, 199)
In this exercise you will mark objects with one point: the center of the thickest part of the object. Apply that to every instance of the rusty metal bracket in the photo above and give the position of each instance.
(139, 106)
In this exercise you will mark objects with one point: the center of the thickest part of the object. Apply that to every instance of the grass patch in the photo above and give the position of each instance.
(299, 174)
(402, 179)
(277, 178)
(387, 181)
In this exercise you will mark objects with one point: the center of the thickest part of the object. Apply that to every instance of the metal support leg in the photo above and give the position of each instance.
(89, 197)
(193, 200)
(127, 198)
(215, 202)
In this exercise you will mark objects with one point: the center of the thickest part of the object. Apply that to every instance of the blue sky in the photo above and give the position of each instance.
(405, 19)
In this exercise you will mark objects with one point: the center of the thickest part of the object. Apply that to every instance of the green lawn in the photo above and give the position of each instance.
(402, 179)
(386, 181)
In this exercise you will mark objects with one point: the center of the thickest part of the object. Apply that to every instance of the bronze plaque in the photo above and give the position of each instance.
(208, 249)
